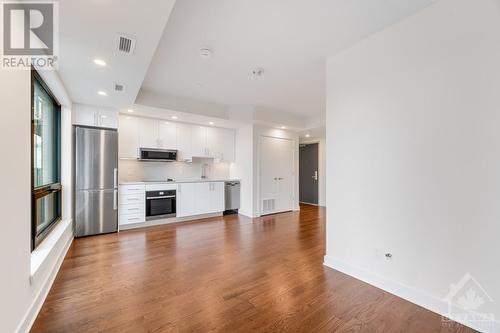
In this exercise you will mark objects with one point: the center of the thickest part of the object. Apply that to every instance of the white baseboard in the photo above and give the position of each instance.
(247, 214)
(170, 220)
(418, 297)
(34, 309)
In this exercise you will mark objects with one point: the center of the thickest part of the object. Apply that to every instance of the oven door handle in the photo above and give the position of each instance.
(165, 197)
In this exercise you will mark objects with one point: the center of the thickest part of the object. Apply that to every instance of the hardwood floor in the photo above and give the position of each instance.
(226, 274)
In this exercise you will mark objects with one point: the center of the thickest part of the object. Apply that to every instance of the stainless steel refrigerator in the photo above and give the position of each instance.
(96, 181)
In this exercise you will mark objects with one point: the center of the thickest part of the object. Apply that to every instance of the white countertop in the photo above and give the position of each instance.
(180, 181)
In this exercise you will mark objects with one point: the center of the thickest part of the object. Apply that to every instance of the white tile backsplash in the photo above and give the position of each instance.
(130, 170)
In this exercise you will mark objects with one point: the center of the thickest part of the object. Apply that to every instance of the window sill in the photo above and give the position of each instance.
(41, 254)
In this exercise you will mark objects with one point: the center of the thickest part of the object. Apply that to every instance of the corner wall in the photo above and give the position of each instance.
(413, 160)
(26, 279)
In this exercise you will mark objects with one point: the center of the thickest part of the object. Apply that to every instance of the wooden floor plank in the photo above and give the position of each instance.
(223, 274)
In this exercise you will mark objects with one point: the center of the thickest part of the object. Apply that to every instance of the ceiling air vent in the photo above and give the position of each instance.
(125, 45)
(119, 88)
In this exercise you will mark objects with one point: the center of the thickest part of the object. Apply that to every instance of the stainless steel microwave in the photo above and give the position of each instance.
(157, 155)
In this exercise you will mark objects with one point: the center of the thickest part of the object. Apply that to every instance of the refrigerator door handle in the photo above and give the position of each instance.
(115, 177)
(115, 199)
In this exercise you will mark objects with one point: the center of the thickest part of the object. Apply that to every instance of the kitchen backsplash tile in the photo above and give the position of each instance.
(130, 170)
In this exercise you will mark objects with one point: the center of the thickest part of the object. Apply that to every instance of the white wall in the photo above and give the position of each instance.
(413, 144)
(242, 168)
(21, 291)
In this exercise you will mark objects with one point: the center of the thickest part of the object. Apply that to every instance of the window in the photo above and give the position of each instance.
(45, 160)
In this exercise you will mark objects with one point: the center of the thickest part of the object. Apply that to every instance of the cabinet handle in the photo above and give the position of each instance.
(115, 199)
(115, 177)
(133, 209)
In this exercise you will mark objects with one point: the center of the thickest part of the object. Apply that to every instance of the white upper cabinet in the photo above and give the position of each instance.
(220, 144)
(87, 115)
(167, 134)
(199, 141)
(228, 151)
(185, 142)
(108, 118)
(148, 133)
(128, 137)
(190, 140)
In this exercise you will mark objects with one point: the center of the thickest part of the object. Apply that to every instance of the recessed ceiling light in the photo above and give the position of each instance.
(308, 135)
(211, 123)
(130, 110)
(100, 62)
(166, 123)
(283, 127)
(102, 93)
(175, 117)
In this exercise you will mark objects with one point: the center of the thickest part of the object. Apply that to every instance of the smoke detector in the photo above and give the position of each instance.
(206, 52)
(258, 71)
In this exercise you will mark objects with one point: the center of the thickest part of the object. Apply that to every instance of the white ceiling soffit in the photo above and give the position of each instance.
(184, 117)
(237, 113)
(89, 30)
(289, 39)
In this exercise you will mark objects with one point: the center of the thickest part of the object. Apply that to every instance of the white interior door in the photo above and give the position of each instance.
(276, 175)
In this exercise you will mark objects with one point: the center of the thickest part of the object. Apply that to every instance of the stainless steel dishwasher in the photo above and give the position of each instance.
(232, 197)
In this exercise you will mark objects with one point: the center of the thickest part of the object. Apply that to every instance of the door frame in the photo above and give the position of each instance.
(294, 172)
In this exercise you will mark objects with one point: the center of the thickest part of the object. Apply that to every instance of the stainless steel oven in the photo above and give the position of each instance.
(161, 204)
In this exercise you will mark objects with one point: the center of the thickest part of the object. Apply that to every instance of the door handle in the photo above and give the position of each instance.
(115, 199)
(315, 177)
(115, 177)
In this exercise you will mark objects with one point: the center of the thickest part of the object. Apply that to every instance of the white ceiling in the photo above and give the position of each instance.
(88, 29)
(290, 39)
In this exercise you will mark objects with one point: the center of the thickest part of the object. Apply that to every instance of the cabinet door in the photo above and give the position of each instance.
(228, 138)
(214, 142)
(128, 137)
(202, 198)
(148, 133)
(216, 197)
(186, 199)
(184, 141)
(199, 142)
(108, 118)
(167, 134)
(85, 115)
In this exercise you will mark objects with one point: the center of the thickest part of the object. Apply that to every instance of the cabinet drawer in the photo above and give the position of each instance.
(132, 218)
(132, 199)
(132, 189)
(131, 209)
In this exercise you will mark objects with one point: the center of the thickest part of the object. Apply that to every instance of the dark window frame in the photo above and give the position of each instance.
(53, 188)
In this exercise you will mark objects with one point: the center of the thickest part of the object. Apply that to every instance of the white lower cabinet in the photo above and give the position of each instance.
(185, 199)
(132, 200)
(216, 197)
(200, 198)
